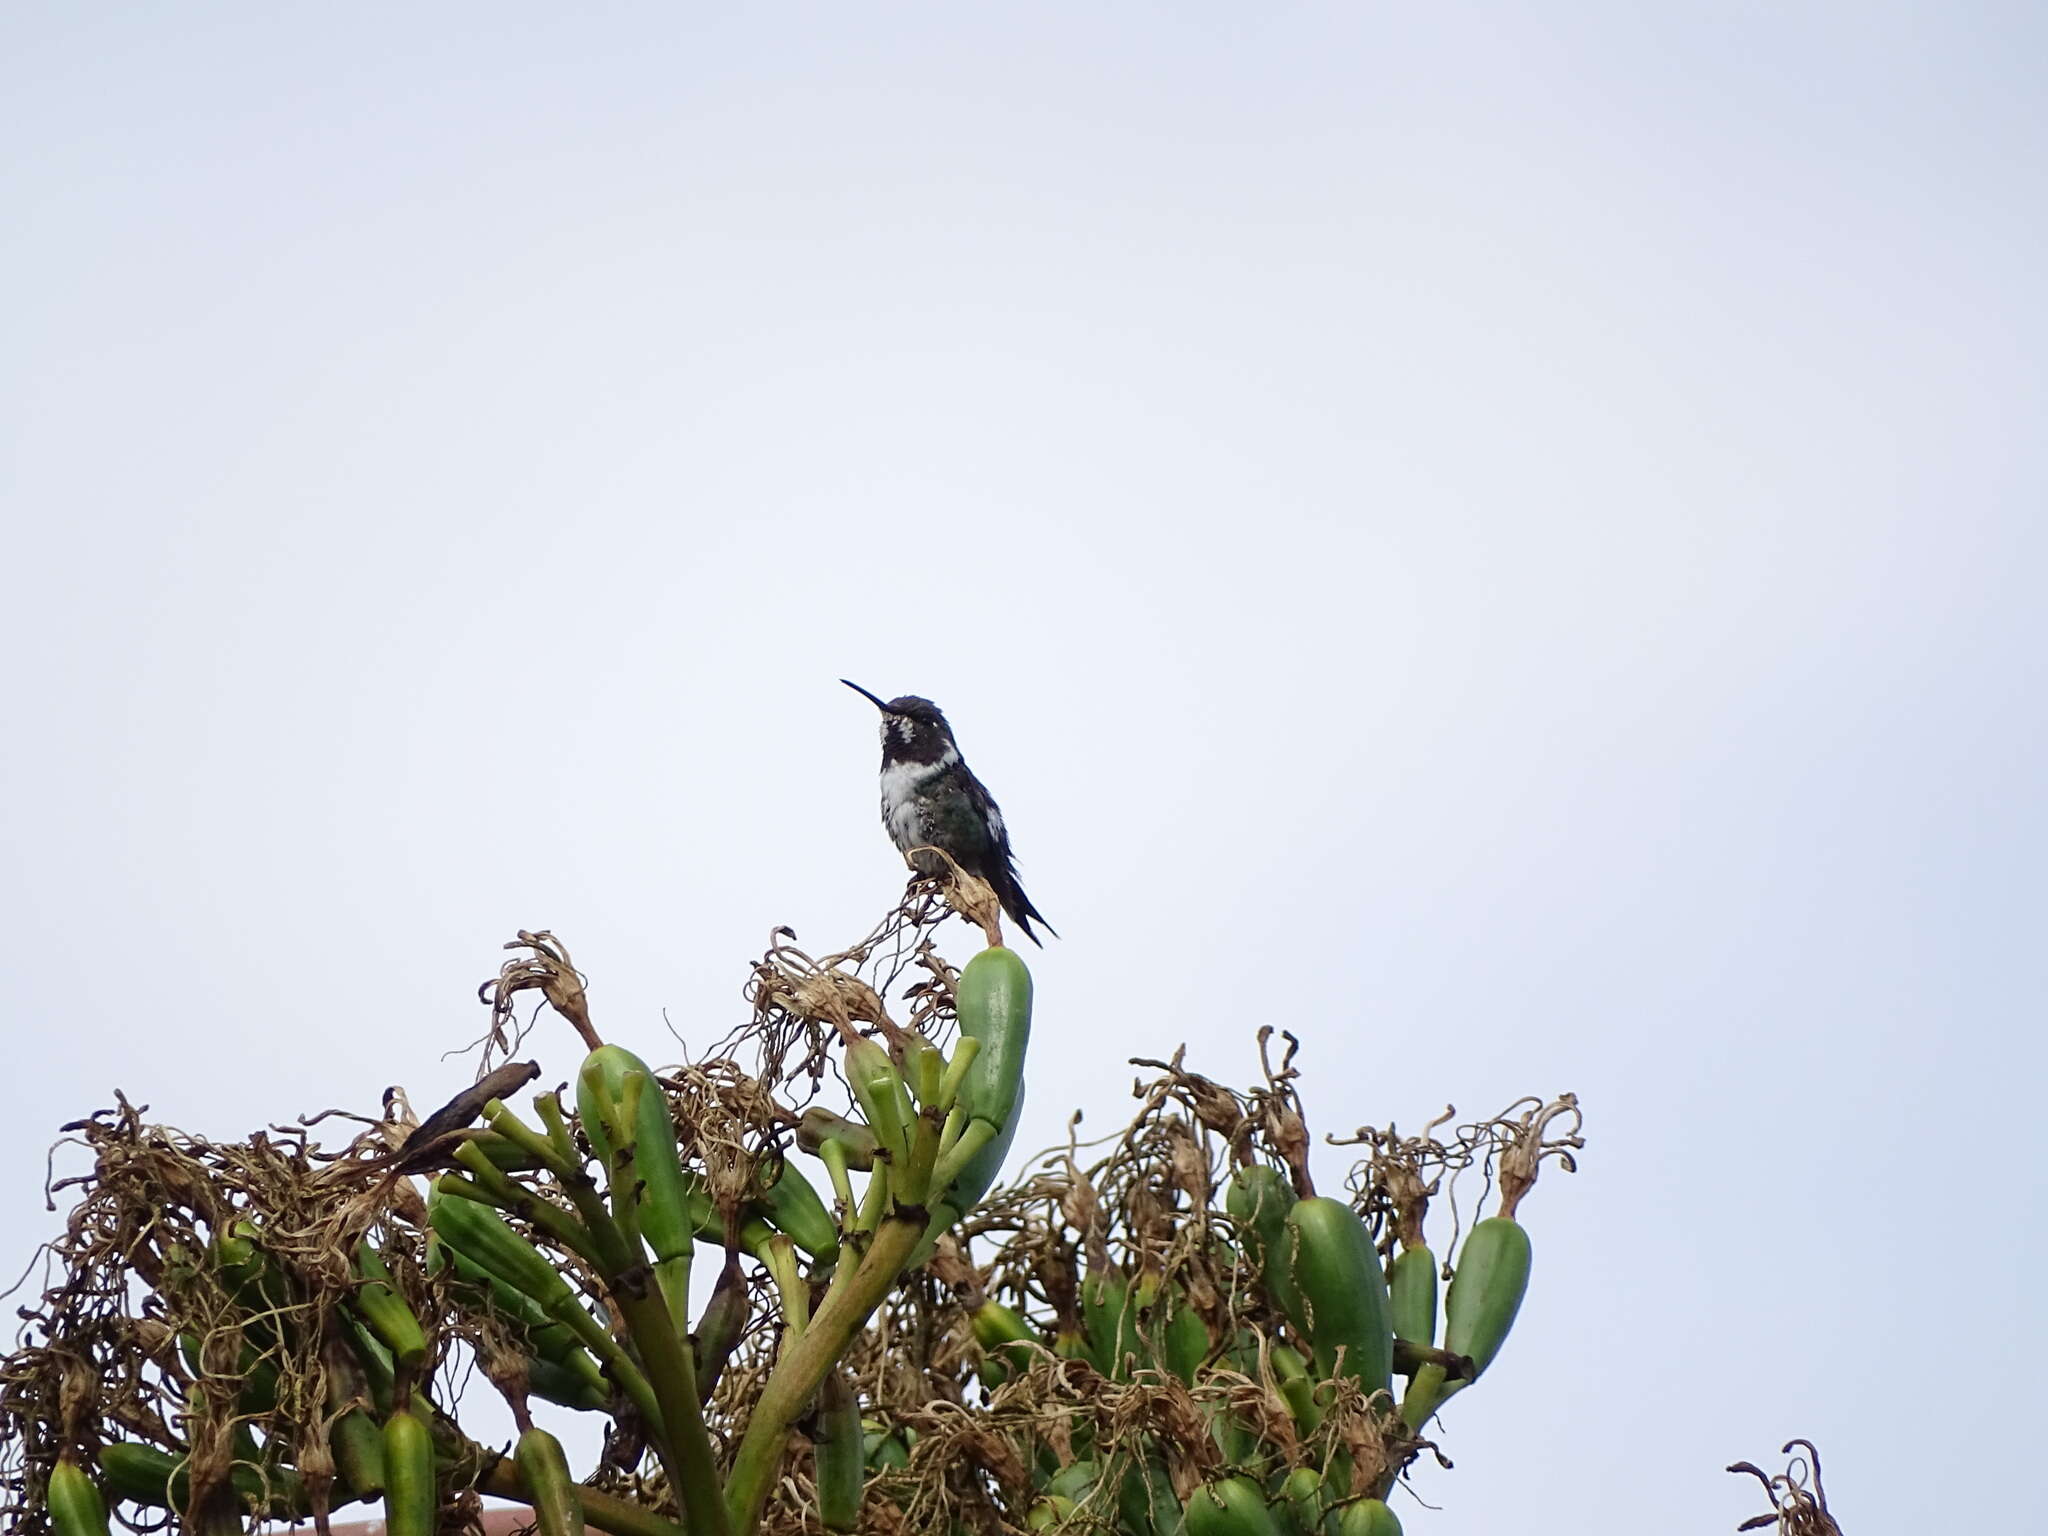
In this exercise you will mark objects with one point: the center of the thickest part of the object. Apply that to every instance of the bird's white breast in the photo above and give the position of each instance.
(901, 783)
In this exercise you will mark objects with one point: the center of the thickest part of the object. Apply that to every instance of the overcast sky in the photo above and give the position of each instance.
(1507, 540)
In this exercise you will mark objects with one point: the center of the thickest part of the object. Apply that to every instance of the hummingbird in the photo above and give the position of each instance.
(931, 799)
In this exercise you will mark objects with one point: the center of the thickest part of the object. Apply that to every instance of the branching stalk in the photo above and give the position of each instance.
(797, 1375)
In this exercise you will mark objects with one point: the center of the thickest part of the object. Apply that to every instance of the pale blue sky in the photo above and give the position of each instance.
(1507, 540)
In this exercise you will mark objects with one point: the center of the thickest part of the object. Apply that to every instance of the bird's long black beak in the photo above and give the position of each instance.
(856, 687)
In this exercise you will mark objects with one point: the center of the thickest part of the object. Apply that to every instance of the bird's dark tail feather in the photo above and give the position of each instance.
(1020, 911)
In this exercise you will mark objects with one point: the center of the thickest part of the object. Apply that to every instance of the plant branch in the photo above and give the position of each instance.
(797, 1375)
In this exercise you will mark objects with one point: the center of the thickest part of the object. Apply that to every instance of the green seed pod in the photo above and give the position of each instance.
(1306, 1497)
(411, 1506)
(885, 1449)
(876, 1088)
(975, 1178)
(1109, 1316)
(1486, 1290)
(841, 1453)
(139, 1473)
(1343, 1291)
(720, 1326)
(993, 1000)
(1258, 1201)
(480, 1232)
(586, 1393)
(1004, 1337)
(550, 1340)
(792, 1205)
(1235, 1506)
(74, 1502)
(355, 1441)
(1076, 1480)
(1145, 1499)
(1184, 1337)
(557, 1505)
(667, 1207)
(145, 1474)
(856, 1141)
(386, 1312)
(1048, 1512)
(1297, 1387)
(1411, 1295)
(1368, 1517)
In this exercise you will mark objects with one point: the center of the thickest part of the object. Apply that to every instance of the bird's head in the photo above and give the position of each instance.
(913, 730)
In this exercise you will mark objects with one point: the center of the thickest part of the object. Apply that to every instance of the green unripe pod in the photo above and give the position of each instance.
(411, 1505)
(1258, 1201)
(1004, 1337)
(1184, 1342)
(145, 1474)
(1297, 1387)
(996, 1325)
(1235, 1506)
(885, 1449)
(139, 1473)
(993, 1000)
(1109, 1315)
(841, 1453)
(1076, 1480)
(793, 1207)
(1048, 1512)
(876, 1088)
(571, 1388)
(358, 1450)
(1368, 1517)
(1486, 1290)
(1411, 1295)
(386, 1312)
(667, 1208)
(557, 1505)
(474, 1230)
(74, 1502)
(1145, 1498)
(1343, 1291)
(856, 1141)
(1306, 1497)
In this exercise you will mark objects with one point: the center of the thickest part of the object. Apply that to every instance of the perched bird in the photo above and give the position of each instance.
(931, 799)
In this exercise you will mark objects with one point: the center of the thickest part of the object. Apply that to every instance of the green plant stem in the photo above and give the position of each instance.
(972, 1140)
(833, 1153)
(797, 1375)
(619, 1365)
(1425, 1391)
(489, 1186)
(681, 1441)
(875, 1199)
(549, 1107)
(499, 1116)
(964, 1052)
(674, 1377)
(603, 1510)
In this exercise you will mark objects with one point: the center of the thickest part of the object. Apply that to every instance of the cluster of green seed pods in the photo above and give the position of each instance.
(927, 1133)
(1299, 1349)
(622, 1199)
(1343, 1323)
(376, 1446)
